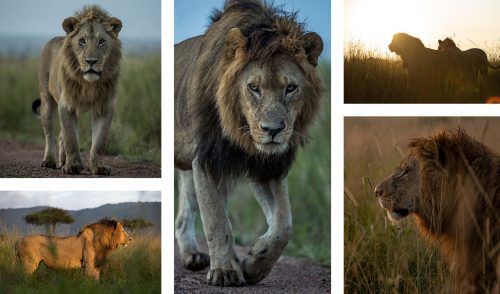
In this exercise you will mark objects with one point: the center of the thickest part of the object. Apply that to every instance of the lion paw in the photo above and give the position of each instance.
(225, 278)
(71, 169)
(197, 261)
(48, 164)
(101, 170)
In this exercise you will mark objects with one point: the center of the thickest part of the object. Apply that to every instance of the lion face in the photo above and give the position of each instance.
(398, 193)
(271, 99)
(121, 235)
(92, 42)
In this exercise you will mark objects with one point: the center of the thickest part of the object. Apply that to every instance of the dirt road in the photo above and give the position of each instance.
(289, 275)
(22, 160)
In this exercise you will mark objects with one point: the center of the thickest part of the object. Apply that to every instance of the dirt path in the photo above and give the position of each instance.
(22, 160)
(289, 275)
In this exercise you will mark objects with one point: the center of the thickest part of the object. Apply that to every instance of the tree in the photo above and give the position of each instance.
(49, 217)
(136, 223)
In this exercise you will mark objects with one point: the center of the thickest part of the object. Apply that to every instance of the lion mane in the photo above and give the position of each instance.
(457, 204)
(89, 249)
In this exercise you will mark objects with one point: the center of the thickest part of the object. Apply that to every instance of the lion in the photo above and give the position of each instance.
(477, 57)
(423, 63)
(246, 93)
(79, 73)
(87, 250)
(451, 184)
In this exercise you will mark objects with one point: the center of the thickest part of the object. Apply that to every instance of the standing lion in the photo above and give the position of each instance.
(79, 73)
(87, 250)
(246, 94)
(451, 183)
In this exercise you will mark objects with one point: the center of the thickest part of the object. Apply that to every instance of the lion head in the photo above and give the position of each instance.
(403, 43)
(92, 47)
(447, 44)
(108, 234)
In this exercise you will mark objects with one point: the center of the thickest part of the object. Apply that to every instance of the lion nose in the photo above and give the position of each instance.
(91, 61)
(272, 129)
(379, 191)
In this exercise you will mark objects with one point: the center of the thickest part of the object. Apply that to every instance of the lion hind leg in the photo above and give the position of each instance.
(192, 258)
(47, 111)
(273, 199)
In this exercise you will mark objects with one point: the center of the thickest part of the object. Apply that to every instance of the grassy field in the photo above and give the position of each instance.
(134, 269)
(136, 129)
(309, 189)
(375, 78)
(380, 257)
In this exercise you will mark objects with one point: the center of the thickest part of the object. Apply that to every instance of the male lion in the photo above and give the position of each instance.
(475, 56)
(87, 250)
(246, 93)
(424, 64)
(79, 73)
(451, 183)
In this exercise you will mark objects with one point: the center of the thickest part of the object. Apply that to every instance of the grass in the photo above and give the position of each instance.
(371, 77)
(136, 128)
(309, 190)
(134, 269)
(380, 257)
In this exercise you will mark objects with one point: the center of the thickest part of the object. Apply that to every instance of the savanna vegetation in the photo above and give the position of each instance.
(372, 77)
(136, 128)
(134, 269)
(380, 257)
(309, 189)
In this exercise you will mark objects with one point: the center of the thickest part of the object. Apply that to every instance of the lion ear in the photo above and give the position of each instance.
(114, 25)
(69, 24)
(236, 43)
(430, 150)
(313, 46)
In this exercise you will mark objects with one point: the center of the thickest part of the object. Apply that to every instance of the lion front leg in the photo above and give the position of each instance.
(69, 129)
(192, 258)
(273, 198)
(212, 199)
(101, 122)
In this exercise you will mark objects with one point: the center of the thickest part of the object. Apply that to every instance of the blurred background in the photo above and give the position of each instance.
(309, 179)
(380, 257)
(26, 25)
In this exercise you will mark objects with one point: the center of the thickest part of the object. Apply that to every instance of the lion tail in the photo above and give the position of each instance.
(35, 107)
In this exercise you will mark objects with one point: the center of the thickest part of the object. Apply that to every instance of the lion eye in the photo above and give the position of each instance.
(102, 42)
(291, 88)
(253, 88)
(81, 41)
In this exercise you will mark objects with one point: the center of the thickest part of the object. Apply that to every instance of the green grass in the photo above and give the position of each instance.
(134, 269)
(374, 78)
(380, 257)
(136, 128)
(309, 190)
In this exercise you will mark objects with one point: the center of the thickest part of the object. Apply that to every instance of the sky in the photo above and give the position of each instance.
(141, 19)
(74, 200)
(469, 23)
(192, 17)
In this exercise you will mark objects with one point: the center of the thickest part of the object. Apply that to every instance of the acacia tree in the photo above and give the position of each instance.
(136, 223)
(49, 217)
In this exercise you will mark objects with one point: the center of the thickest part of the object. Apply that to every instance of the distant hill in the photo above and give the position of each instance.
(13, 218)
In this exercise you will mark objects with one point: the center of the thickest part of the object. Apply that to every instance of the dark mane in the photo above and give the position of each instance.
(107, 222)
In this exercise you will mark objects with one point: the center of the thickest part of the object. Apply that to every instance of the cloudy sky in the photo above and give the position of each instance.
(141, 18)
(192, 17)
(469, 23)
(73, 200)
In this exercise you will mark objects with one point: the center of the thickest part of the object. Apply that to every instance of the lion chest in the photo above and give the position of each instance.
(81, 97)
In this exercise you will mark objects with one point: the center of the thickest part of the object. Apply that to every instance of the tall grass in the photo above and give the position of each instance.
(371, 77)
(134, 269)
(309, 190)
(136, 128)
(380, 257)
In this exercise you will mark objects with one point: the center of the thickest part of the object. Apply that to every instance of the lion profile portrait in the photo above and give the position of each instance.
(79, 73)
(475, 56)
(451, 184)
(87, 250)
(423, 63)
(246, 93)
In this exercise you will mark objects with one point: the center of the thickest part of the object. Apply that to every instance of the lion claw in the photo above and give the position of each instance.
(197, 261)
(101, 170)
(72, 169)
(225, 278)
(48, 164)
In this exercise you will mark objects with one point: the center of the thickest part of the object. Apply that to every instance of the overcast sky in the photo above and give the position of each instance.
(73, 200)
(192, 17)
(140, 18)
